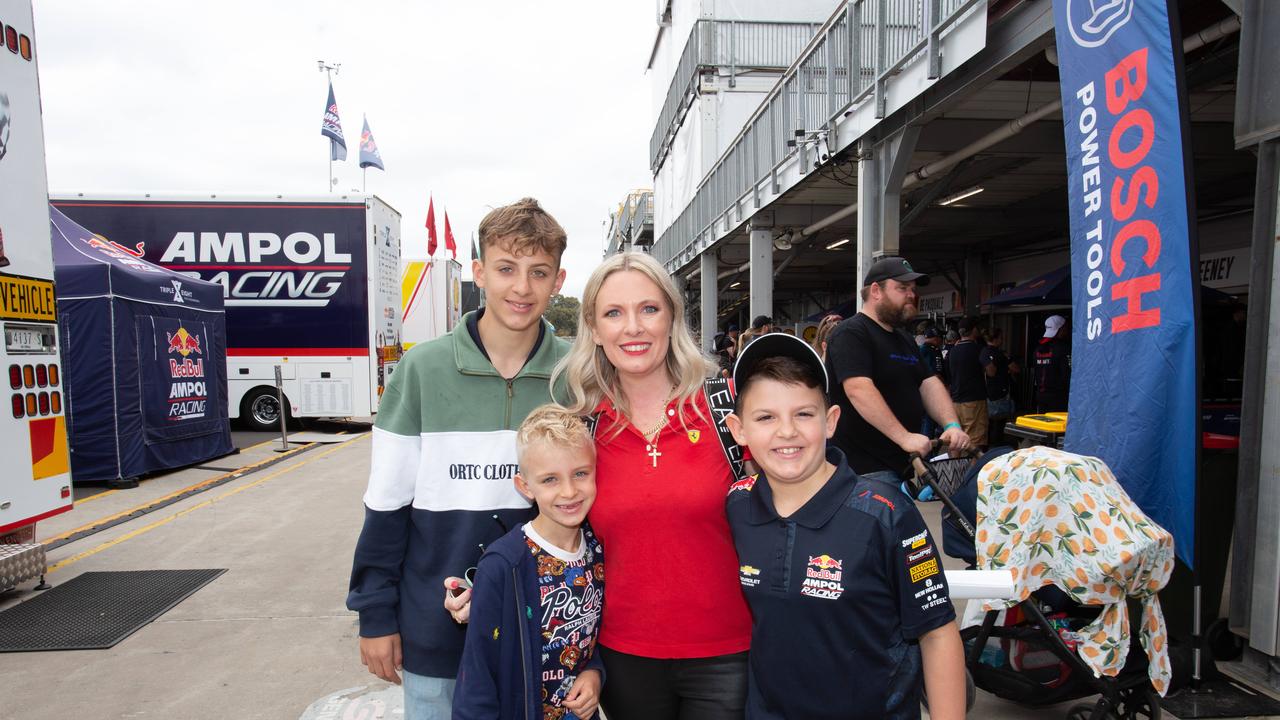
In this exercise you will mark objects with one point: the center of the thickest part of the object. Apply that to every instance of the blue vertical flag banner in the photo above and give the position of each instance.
(331, 127)
(1135, 395)
(369, 155)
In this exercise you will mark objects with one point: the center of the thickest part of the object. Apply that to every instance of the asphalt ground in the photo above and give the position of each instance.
(270, 638)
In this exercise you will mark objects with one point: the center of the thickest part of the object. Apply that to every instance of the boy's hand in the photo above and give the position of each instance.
(457, 599)
(382, 656)
(584, 697)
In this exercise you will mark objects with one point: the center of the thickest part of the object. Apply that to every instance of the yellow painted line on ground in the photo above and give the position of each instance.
(170, 518)
(91, 498)
(153, 501)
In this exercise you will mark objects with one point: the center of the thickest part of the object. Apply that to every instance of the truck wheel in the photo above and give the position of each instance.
(260, 410)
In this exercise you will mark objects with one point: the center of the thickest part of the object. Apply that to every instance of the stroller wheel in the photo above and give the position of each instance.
(1084, 711)
(1139, 703)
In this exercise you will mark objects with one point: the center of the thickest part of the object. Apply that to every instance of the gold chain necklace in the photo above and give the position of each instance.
(651, 437)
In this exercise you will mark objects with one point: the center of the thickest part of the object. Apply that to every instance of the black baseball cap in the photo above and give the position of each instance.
(761, 321)
(893, 268)
(777, 345)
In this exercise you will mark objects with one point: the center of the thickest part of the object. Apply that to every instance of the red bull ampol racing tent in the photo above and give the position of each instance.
(144, 354)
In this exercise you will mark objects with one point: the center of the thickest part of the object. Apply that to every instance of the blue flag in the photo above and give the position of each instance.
(369, 154)
(1135, 396)
(331, 127)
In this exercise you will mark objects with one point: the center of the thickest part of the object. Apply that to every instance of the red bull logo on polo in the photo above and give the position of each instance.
(824, 581)
(825, 562)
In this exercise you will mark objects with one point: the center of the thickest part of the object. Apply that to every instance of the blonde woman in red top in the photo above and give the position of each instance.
(676, 627)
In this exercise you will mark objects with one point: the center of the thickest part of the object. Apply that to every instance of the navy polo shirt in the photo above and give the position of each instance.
(840, 592)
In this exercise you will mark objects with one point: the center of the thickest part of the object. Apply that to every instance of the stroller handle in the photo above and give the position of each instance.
(925, 472)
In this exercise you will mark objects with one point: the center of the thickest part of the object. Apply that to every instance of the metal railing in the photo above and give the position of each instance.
(736, 45)
(634, 214)
(848, 62)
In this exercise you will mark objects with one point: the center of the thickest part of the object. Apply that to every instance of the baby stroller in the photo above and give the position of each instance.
(1033, 652)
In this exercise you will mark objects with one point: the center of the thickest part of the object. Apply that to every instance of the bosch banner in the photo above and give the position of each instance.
(1134, 401)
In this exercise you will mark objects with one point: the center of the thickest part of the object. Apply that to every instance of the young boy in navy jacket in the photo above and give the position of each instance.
(530, 650)
(850, 610)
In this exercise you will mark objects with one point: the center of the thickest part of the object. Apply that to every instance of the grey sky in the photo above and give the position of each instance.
(478, 103)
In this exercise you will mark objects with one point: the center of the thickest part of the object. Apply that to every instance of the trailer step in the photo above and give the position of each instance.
(20, 562)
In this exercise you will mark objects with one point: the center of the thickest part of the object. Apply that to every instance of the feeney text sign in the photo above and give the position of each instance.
(1134, 397)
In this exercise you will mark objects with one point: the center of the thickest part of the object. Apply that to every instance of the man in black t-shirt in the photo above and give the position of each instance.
(996, 366)
(968, 384)
(883, 387)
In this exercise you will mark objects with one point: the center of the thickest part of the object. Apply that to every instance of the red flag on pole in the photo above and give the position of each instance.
(431, 227)
(448, 238)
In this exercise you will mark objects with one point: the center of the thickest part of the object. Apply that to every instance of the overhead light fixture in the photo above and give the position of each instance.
(734, 284)
(783, 241)
(837, 244)
(960, 195)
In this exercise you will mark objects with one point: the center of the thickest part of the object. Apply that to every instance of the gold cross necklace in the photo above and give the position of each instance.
(651, 437)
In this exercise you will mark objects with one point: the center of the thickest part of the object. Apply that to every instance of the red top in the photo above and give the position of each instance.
(671, 588)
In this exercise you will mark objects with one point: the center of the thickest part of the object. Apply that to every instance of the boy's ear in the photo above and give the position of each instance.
(477, 272)
(559, 282)
(522, 487)
(833, 416)
(734, 423)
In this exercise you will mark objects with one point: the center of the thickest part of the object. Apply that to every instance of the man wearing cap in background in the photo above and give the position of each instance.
(883, 386)
(968, 382)
(762, 325)
(1052, 363)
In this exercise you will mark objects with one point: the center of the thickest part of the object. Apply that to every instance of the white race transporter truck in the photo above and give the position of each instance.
(312, 284)
(35, 482)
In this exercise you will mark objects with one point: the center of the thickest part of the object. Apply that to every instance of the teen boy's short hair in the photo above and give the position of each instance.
(553, 425)
(781, 357)
(524, 228)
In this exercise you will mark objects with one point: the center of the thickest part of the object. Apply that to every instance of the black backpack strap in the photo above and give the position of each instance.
(591, 421)
(719, 395)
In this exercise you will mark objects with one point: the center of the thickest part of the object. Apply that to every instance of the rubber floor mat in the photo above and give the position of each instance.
(1220, 698)
(96, 610)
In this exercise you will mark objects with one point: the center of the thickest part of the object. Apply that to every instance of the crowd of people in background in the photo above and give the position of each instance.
(982, 378)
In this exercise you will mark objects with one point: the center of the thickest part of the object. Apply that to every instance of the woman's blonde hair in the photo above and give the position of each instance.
(588, 374)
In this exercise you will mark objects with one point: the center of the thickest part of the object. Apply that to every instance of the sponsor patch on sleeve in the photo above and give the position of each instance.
(916, 541)
(920, 554)
(920, 571)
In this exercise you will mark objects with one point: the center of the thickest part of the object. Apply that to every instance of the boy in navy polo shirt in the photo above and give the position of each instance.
(850, 607)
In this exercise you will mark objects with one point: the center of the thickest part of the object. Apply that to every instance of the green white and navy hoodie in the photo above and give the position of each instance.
(440, 486)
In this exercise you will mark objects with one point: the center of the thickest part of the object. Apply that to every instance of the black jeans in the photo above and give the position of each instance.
(641, 688)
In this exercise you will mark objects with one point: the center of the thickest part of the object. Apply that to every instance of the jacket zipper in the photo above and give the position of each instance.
(524, 631)
(511, 393)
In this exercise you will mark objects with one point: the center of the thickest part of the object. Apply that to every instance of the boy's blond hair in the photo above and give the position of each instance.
(555, 426)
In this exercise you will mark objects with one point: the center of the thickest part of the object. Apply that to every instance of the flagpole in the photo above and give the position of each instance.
(329, 71)
(364, 179)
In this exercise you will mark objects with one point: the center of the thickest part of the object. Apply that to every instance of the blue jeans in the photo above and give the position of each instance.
(427, 698)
